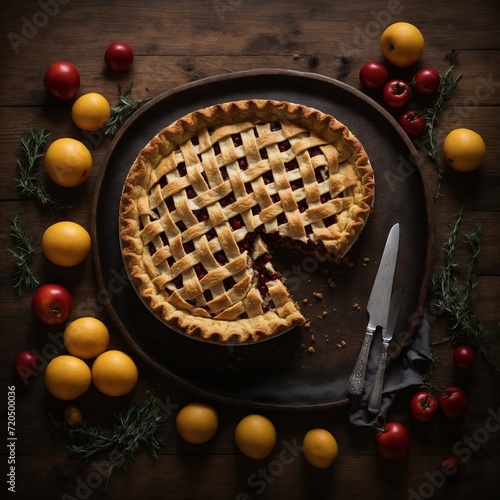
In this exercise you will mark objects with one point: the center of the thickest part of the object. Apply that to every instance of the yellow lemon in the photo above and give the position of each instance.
(67, 377)
(73, 416)
(86, 337)
(66, 243)
(320, 448)
(68, 162)
(114, 373)
(255, 436)
(197, 422)
(91, 111)
(464, 150)
(402, 44)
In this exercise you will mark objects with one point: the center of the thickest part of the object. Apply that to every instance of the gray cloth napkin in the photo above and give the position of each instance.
(400, 373)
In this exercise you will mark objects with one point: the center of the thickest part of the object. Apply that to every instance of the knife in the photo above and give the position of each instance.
(378, 308)
(378, 383)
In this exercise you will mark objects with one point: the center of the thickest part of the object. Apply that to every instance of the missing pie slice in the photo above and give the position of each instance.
(208, 197)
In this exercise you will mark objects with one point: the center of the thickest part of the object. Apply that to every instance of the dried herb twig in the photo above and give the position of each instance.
(134, 426)
(427, 376)
(23, 275)
(122, 110)
(431, 114)
(29, 180)
(454, 291)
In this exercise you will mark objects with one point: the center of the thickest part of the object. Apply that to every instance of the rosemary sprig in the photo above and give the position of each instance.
(431, 114)
(427, 376)
(433, 361)
(122, 110)
(454, 291)
(23, 275)
(133, 426)
(29, 180)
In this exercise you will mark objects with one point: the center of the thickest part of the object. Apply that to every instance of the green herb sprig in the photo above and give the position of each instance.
(121, 111)
(134, 426)
(431, 115)
(29, 180)
(24, 277)
(454, 293)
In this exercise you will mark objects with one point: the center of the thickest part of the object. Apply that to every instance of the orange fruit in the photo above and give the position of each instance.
(66, 243)
(68, 162)
(91, 111)
(255, 436)
(197, 422)
(402, 44)
(320, 448)
(114, 373)
(73, 416)
(67, 377)
(86, 337)
(464, 150)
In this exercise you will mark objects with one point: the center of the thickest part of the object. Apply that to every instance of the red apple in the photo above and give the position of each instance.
(51, 304)
(25, 364)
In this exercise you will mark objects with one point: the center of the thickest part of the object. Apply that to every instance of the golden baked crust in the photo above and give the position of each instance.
(203, 195)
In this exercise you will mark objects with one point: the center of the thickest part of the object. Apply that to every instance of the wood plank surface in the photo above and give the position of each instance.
(180, 42)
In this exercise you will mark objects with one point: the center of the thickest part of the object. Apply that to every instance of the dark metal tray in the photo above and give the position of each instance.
(304, 368)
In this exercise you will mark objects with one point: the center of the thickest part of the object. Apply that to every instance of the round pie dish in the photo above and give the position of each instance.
(290, 371)
(209, 197)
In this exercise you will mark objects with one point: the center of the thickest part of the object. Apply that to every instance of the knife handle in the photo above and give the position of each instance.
(356, 382)
(378, 383)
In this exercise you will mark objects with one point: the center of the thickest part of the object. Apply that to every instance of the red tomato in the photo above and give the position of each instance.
(426, 81)
(396, 94)
(373, 75)
(423, 406)
(119, 56)
(453, 402)
(393, 441)
(464, 357)
(451, 465)
(413, 124)
(62, 80)
(25, 364)
(51, 304)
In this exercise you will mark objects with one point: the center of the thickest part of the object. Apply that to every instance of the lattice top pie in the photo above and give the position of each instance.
(211, 193)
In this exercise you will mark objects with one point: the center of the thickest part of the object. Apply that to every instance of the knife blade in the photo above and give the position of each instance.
(378, 308)
(387, 334)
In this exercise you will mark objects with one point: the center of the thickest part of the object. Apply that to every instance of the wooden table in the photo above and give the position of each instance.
(180, 42)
